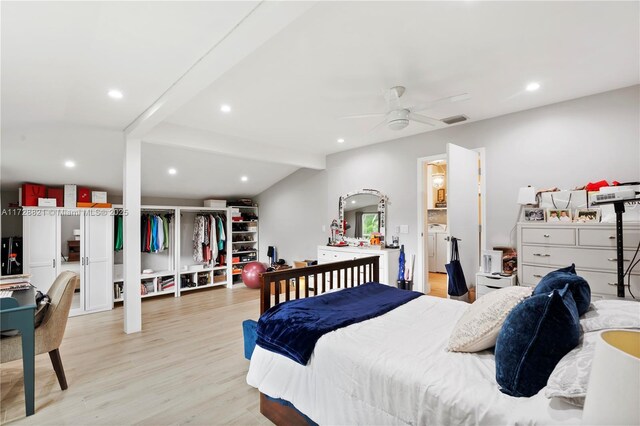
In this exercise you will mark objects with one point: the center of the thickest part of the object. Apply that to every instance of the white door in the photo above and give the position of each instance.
(463, 207)
(97, 256)
(40, 234)
(442, 251)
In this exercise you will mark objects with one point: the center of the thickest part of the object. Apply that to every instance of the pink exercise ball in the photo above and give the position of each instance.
(251, 274)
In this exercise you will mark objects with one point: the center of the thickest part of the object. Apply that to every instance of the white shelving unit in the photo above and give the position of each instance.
(244, 240)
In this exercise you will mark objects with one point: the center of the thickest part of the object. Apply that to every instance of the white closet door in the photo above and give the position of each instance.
(41, 236)
(97, 259)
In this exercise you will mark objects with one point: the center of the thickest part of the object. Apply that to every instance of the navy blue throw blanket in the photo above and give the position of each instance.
(293, 328)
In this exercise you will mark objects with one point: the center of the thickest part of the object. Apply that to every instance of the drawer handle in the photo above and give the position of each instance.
(546, 235)
(492, 278)
(537, 276)
(612, 237)
(612, 284)
(615, 259)
(495, 288)
(542, 254)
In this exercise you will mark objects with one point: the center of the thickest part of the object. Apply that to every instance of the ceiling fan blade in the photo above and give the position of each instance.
(424, 119)
(449, 99)
(375, 114)
(376, 126)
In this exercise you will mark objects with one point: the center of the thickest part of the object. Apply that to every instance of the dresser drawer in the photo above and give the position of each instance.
(565, 256)
(603, 283)
(607, 237)
(494, 281)
(553, 236)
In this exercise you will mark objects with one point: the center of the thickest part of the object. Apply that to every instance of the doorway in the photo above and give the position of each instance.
(441, 189)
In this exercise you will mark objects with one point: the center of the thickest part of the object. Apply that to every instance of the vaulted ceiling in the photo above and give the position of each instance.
(287, 74)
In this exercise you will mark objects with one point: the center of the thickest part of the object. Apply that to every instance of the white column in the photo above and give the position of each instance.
(131, 201)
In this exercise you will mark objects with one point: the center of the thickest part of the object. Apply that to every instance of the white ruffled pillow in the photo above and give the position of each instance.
(606, 314)
(570, 378)
(479, 326)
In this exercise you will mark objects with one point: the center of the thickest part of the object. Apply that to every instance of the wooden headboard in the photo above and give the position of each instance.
(296, 283)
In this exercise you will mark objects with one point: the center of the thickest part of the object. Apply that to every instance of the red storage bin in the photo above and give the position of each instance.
(58, 194)
(31, 192)
(84, 195)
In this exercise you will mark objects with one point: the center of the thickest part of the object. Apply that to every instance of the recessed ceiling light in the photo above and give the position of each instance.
(533, 86)
(172, 171)
(70, 164)
(225, 108)
(244, 178)
(340, 140)
(115, 94)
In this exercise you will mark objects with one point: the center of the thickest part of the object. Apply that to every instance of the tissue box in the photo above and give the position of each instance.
(216, 204)
(70, 196)
(46, 202)
(98, 197)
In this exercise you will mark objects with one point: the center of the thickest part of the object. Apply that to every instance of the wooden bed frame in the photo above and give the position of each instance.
(326, 277)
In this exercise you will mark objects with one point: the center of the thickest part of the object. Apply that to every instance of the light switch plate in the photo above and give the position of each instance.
(404, 229)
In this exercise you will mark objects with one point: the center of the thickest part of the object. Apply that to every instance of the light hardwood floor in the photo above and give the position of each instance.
(438, 283)
(186, 367)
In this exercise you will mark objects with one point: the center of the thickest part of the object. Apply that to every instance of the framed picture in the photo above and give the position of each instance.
(587, 216)
(558, 215)
(533, 215)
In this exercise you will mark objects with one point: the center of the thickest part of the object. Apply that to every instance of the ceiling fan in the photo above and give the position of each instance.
(398, 117)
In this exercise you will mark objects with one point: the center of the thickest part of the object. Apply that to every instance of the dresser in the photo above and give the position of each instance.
(388, 259)
(544, 247)
(486, 283)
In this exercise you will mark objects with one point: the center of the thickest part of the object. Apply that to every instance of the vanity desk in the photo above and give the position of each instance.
(388, 259)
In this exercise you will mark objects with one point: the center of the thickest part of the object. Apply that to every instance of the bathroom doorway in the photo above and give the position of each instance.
(450, 199)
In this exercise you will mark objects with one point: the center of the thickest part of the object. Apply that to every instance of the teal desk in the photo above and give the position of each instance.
(16, 313)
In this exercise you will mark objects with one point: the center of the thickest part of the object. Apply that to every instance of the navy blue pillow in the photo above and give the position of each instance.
(578, 286)
(535, 336)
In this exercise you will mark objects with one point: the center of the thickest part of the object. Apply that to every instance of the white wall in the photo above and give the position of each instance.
(291, 216)
(565, 145)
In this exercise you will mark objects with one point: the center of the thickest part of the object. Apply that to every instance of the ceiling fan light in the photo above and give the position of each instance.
(398, 124)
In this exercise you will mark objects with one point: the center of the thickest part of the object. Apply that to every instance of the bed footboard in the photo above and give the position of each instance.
(297, 283)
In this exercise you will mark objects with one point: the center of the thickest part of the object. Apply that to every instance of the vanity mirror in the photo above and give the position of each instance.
(364, 212)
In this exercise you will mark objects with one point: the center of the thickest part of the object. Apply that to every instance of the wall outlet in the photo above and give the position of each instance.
(404, 229)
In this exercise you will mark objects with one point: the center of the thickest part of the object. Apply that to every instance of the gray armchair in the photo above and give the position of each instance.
(48, 336)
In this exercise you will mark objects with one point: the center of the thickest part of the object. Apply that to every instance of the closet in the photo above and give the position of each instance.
(178, 266)
(78, 240)
(202, 247)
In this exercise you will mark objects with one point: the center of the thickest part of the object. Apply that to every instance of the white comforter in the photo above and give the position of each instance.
(394, 369)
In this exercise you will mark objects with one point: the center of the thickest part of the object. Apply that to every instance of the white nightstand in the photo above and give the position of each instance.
(486, 283)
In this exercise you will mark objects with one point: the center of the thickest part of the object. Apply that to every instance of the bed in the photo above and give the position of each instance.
(356, 377)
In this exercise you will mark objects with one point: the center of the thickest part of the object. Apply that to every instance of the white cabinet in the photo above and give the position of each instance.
(388, 266)
(486, 283)
(545, 247)
(45, 238)
(438, 246)
(40, 248)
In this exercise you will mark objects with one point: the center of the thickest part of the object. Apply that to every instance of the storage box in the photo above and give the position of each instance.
(94, 205)
(58, 194)
(31, 192)
(98, 197)
(46, 202)
(216, 204)
(84, 195)
(70, 196)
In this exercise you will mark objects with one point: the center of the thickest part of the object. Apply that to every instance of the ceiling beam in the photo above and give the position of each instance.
(263, 22)
(202, 140)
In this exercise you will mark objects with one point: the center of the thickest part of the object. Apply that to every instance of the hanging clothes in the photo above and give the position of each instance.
(198, 238)
(154, 232)
(213, 240)
(118, 233)
(221, 234)
(165, 224)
